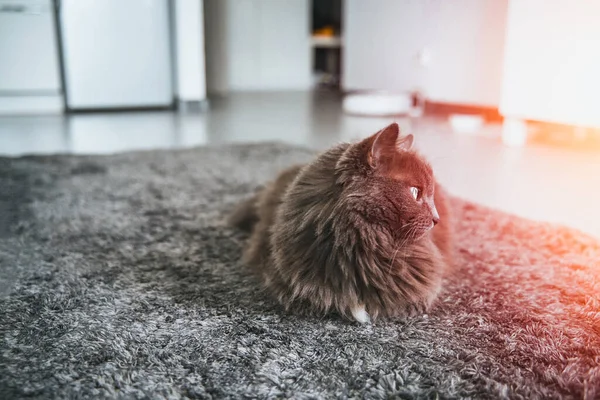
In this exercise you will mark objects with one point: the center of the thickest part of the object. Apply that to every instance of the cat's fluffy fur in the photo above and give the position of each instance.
(345, 234)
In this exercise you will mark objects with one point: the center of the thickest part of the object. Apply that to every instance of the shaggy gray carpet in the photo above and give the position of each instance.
(120, 280)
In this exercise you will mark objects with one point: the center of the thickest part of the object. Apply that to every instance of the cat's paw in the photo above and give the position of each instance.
(360, 315)
(419, 308)
(414, 310)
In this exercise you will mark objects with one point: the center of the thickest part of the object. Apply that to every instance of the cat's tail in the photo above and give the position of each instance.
(245, 215)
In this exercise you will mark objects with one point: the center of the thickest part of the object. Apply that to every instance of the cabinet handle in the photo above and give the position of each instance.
(31, 9)
(13, 8)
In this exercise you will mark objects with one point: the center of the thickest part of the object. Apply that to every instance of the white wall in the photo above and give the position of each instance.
(465, 40)
(257, 45)
(552, 61)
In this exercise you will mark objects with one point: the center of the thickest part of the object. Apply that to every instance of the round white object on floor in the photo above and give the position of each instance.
(379, 104)
(514, 132)
(466, 123)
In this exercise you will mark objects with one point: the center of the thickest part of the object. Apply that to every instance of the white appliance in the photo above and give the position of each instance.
(29, 67)
(116, 53)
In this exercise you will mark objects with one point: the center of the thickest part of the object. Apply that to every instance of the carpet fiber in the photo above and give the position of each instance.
(120, 280)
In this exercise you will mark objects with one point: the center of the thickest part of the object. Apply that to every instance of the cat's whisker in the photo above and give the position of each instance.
(394, 257)
(402, 244)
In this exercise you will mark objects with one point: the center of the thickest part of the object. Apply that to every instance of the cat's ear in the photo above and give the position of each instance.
(406, 142)
(387, 142)
(384, 144)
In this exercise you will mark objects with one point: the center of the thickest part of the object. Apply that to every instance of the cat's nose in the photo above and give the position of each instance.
(435, 220)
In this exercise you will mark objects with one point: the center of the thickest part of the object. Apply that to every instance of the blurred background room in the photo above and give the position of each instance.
(502, 95)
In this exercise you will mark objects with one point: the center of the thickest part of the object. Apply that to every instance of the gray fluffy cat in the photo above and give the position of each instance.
(362, 230)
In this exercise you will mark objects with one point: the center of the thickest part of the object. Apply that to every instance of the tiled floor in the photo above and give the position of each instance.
(536, 182)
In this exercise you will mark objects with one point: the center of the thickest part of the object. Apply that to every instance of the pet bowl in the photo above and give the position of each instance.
(377, 103)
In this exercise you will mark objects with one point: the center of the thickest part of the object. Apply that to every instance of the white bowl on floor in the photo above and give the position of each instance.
(377, 103)
(466, 123)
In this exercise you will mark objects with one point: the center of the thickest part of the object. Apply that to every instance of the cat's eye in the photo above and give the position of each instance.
(415, 192)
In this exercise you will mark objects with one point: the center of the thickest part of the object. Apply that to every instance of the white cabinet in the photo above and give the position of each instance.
(116, 53)
(29, 66)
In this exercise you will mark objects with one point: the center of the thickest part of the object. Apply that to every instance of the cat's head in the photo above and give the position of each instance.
(390, 184)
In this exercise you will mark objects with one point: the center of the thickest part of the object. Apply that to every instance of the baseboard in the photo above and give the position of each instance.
(119, 109)
(490, 114)
(564, 136)
(192, 105)
(31, 105)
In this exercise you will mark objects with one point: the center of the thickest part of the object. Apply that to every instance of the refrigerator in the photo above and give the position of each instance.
(116, 53)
